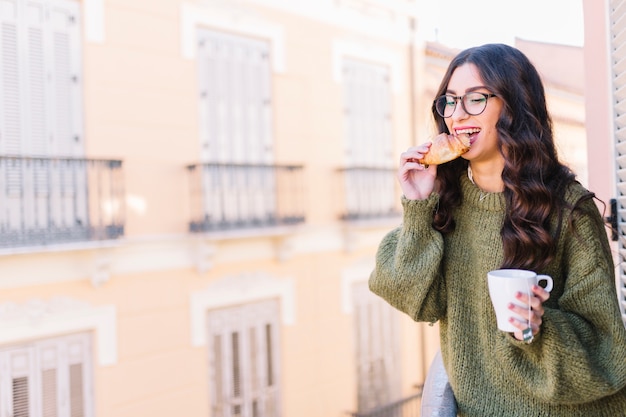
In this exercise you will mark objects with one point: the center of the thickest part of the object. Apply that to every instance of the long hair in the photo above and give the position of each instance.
(534, 180)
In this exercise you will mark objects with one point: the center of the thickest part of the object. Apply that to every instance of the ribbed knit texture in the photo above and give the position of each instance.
(576, 365)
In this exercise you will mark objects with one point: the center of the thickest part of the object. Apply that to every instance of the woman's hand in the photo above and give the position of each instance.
(416, 180)
(536, 300)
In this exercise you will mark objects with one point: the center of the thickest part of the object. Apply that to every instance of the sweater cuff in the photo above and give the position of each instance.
(419, 213)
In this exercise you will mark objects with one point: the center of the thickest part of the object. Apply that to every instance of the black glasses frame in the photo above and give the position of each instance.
(456, 99)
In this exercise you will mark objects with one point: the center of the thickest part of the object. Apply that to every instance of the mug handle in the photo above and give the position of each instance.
(547, 279)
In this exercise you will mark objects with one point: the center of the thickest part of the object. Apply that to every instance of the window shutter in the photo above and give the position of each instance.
(234, 77)
(618, 52)
(41, 115)
(65, 78)
(377, 341)
(367, 96)
(243, 358)
(10, 79)
(20, 366)
(48, 378)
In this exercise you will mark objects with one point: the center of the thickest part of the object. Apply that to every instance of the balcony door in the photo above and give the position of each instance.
(369, 185)
(378, 349)
(235, 99)
(42, 189)
(238, 180)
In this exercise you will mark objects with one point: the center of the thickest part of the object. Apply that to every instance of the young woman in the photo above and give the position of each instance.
(507, 203)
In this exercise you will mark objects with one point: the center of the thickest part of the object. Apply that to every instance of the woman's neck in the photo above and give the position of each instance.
(486, 177)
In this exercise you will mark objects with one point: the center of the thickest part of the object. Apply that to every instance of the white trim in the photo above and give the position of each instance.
(232, 290)
(39, 319)
(369, 52)
(93, 10)
(349, 276)
(394, 27)
(192, 16)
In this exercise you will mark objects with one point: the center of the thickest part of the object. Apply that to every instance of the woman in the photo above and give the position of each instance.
(507, 203)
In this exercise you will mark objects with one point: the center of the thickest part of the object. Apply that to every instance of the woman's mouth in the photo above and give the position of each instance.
(471, 132)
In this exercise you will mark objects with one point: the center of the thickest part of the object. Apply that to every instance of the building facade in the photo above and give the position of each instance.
(194, 191)
(193, 195)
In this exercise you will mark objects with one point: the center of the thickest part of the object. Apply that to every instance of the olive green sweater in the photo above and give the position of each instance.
(576, 365)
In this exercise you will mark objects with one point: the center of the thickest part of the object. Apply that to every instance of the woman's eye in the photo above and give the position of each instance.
(477, 100)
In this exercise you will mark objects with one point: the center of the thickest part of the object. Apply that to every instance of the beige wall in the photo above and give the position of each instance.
(599, 111)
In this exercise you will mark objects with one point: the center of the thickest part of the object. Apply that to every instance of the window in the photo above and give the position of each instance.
(43, 191)
(240, 186)
(235, 98)
(377, 344)
(243, 346)
(370, 190)
(48, 378)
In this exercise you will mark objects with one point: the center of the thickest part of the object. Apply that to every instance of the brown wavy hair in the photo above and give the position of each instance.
(534, 179)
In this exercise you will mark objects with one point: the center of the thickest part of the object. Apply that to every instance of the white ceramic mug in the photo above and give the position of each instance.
(504, 284)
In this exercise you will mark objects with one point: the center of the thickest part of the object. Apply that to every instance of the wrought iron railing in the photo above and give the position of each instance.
(228, 197)
(406, 407)
(48, 201)
(368, 193)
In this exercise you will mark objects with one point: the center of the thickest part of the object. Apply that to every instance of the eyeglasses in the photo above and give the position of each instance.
(473, 103)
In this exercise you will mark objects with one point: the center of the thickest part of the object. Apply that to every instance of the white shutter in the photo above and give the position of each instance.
(377, 344)
(234, 77)
(17, 381)
(65, 104)
(243, 360)
(49, 378)
(41, 115)
(11, 112)
(367, 102)
(618, 51)
(10, 79)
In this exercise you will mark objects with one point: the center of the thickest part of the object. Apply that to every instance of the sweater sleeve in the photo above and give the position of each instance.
(408, 264)
(580, 354)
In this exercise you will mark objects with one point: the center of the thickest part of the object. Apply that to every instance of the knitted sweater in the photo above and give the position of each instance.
(576, 365)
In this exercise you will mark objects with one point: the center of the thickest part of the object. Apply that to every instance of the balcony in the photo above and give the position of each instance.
(235, 197)
(51, 201)
(368, 194)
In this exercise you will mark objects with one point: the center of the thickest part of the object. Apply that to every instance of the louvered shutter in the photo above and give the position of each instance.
(618, 59)
(18, 383)
(377, 344)
(49, 378)
(11, 113)
(41, 115)
(234, 77)
(368, 137)
(243, 360)
(367, 96)
(65, 110)
(10, 79)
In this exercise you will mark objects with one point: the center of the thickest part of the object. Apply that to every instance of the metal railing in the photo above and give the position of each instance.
(49, 200)
(406, 407)
(243, 196)
(368, 193)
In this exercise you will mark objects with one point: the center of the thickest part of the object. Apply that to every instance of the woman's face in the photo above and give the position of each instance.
(482, 128)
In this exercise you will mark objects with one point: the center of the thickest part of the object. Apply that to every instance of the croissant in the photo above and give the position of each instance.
(446, 148)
